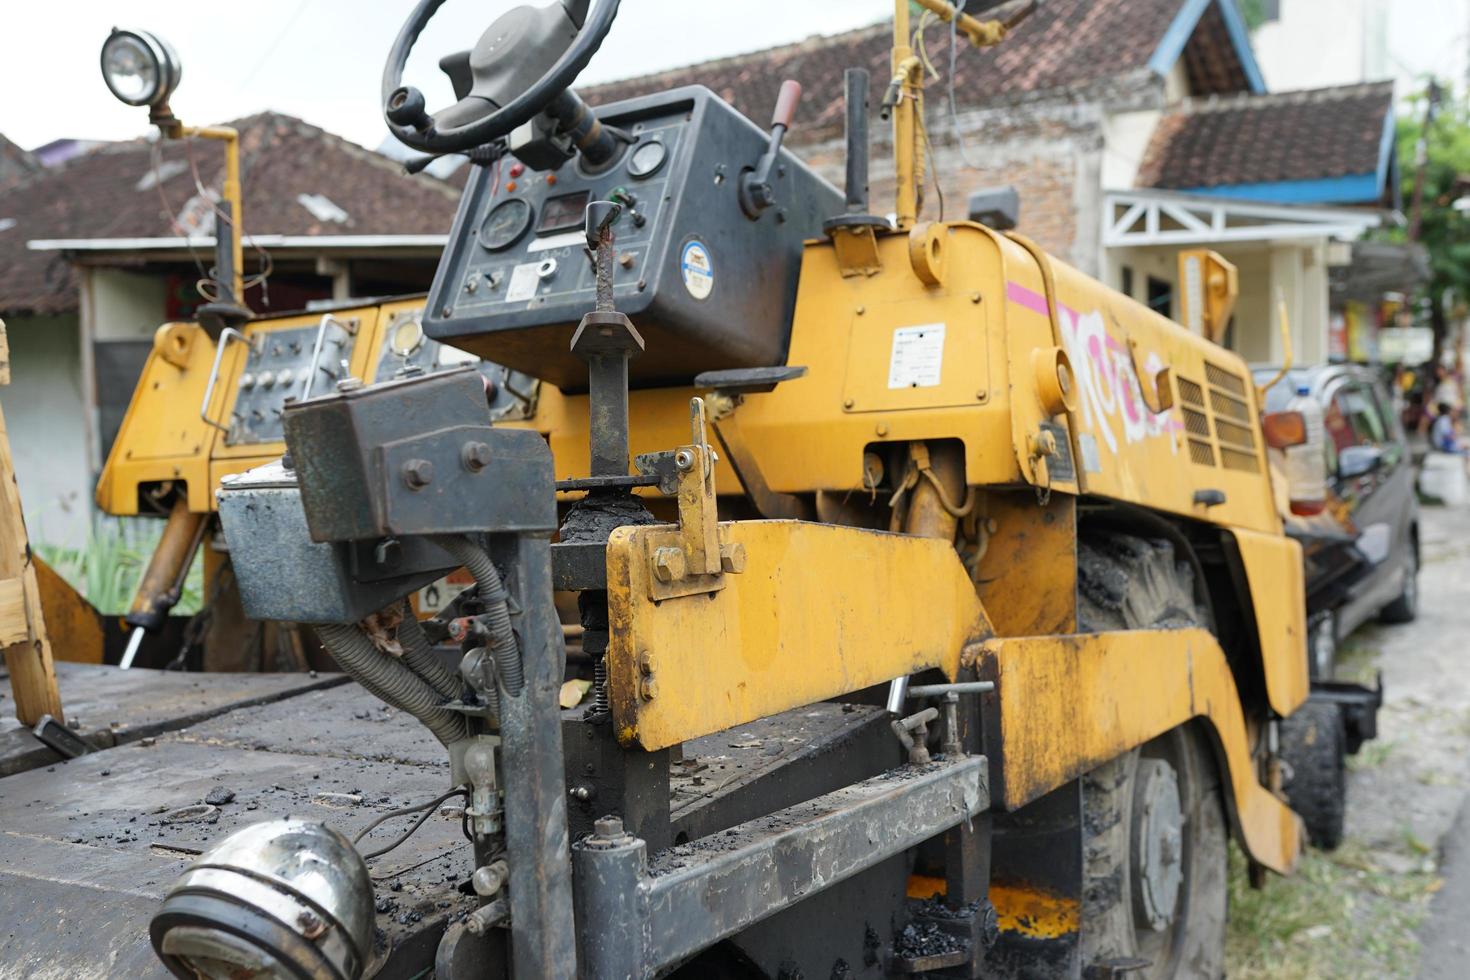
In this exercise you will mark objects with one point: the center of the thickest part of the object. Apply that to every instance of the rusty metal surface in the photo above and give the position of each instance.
(91, 834)
(111, 706)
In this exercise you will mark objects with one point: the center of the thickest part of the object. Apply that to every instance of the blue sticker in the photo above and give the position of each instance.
(697, 269)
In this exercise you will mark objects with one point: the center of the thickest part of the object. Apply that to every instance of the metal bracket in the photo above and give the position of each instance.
(226, 335)
(690, 560)
(349, 327)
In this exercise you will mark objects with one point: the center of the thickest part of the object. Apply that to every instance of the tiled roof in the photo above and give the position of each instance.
(114, 192)
(1259, 139)
(1065, 45)
(16, 164)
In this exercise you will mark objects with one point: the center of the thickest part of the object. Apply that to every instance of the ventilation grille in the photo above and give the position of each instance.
(1217, 421)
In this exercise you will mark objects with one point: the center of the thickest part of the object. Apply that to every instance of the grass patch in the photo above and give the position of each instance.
(106, 570)
(1339, 916)
(1372, 755)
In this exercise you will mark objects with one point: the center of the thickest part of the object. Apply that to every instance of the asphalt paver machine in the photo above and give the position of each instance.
(998, 543)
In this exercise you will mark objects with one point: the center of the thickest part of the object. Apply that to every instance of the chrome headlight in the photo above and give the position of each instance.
(281, 899)
(140, 68)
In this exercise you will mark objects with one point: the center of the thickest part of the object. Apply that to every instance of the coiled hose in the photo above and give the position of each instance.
(492, 594)
(418, 655)
(391, 681)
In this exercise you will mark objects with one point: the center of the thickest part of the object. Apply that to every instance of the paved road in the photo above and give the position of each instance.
(1411, 807)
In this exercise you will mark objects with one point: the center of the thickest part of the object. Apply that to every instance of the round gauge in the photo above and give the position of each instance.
(505, 223)
(646, 160)
(406, 338)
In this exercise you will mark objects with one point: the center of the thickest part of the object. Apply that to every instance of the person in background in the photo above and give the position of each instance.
(1447, 388)
(1444, 434)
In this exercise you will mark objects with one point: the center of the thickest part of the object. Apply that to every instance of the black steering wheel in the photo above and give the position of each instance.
(549, 45)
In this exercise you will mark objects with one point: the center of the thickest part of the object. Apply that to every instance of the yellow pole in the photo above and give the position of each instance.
(231, 194)
(905, 204)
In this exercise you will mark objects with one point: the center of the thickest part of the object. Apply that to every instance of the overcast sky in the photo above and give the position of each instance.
(322, 60)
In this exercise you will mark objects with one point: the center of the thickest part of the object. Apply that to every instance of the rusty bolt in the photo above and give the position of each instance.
(668, 564)
(608, 828)
(475, 456)
(418, 473)
(732, 558)
(648, 687)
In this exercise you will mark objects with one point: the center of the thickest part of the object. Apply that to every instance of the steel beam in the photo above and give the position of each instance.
(651, 915)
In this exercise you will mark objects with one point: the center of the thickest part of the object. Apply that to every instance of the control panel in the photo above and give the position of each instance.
(406, 351)
(707, 284)
(294, 362)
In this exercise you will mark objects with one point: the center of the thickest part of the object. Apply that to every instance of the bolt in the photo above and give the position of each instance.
(475, 456)
(882, 429)
(683, 459)
(349, 383)
(581, 792)
(974, 297)
(489, 879)
(648, 688)
(607, 828)
(668, 564)
(732, 558)
(848, 403)
(389, 552)
(861, 310)
(418, 473)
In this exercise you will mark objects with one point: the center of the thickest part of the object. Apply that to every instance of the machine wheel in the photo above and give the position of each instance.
(1312, 746)
(1322, 647)
(1154, 832)
(1406, 606)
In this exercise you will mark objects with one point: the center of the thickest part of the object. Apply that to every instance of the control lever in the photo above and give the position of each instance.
(756, 193)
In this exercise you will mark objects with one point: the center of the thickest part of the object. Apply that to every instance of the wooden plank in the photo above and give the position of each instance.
(14, 626)
(32, 676)
(4, 355)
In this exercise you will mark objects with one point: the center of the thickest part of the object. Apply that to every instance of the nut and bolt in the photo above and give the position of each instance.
(732, 558)
(581, 792)
(349, 383)
(608, 828)
(648, 688)
(418, 473)
(475, 456)
(669, 564)
(684, 459)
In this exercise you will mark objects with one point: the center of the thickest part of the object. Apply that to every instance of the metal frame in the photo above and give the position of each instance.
(654, 915)
(1161, 218)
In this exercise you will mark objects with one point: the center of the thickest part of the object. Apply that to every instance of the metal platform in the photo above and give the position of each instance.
(89, 847)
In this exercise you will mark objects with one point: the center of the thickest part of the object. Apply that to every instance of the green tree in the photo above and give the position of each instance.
(1443, 230)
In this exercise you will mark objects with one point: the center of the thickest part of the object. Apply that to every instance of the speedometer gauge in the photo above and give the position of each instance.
(646, 160)
(505, 224)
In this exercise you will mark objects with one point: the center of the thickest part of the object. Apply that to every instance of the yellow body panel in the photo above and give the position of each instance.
(818, 611)
(1067, 704)
(1273, 567)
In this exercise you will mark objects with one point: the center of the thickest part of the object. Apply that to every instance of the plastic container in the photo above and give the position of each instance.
(1306, 464)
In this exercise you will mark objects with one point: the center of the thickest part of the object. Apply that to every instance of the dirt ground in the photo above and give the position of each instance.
(1379, 905)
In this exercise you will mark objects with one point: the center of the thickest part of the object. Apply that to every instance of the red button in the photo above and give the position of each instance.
(517, 169)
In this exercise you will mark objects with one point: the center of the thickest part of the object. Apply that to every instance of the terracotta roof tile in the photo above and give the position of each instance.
(111, 192)
(1309, 135)
(1065, 44)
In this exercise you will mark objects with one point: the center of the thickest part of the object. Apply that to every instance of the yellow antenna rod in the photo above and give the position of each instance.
(1286, 353)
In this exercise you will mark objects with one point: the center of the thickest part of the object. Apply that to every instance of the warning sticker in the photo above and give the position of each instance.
(523, 282)
(697, 270)
(918, 356)
(1087, 447)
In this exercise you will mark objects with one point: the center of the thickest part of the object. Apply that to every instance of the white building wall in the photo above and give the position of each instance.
(46, 415)
(1317, 43)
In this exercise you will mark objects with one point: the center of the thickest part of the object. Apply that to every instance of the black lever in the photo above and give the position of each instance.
(756, 193)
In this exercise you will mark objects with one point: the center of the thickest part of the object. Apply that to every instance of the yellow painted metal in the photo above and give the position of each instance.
(1064, 705)
(1273, 565)
(229, 191)
(69, 617)
(162, 437)
(819, 611)
(1210, 285)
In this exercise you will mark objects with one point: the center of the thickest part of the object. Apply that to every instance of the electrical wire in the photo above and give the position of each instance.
(954, 115)
(267, 264)
(427, 809)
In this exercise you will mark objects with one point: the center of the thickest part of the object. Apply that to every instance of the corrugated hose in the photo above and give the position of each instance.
(391, 681)
(491, 590)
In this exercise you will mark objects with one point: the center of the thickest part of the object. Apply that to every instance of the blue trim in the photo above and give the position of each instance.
(1167, 54)
(1352, 189)
(1386, 146)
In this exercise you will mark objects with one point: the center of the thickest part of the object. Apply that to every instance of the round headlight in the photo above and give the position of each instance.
(139, 68)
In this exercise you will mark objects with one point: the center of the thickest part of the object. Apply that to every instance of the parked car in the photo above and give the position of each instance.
(1362, 549)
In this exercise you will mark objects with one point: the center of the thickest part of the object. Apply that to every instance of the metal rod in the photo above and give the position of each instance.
(898, 690)
(135, 640)
(856, 80)
(939, 690)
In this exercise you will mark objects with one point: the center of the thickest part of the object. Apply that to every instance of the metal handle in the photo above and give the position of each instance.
(316, 355)
(226, 335)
